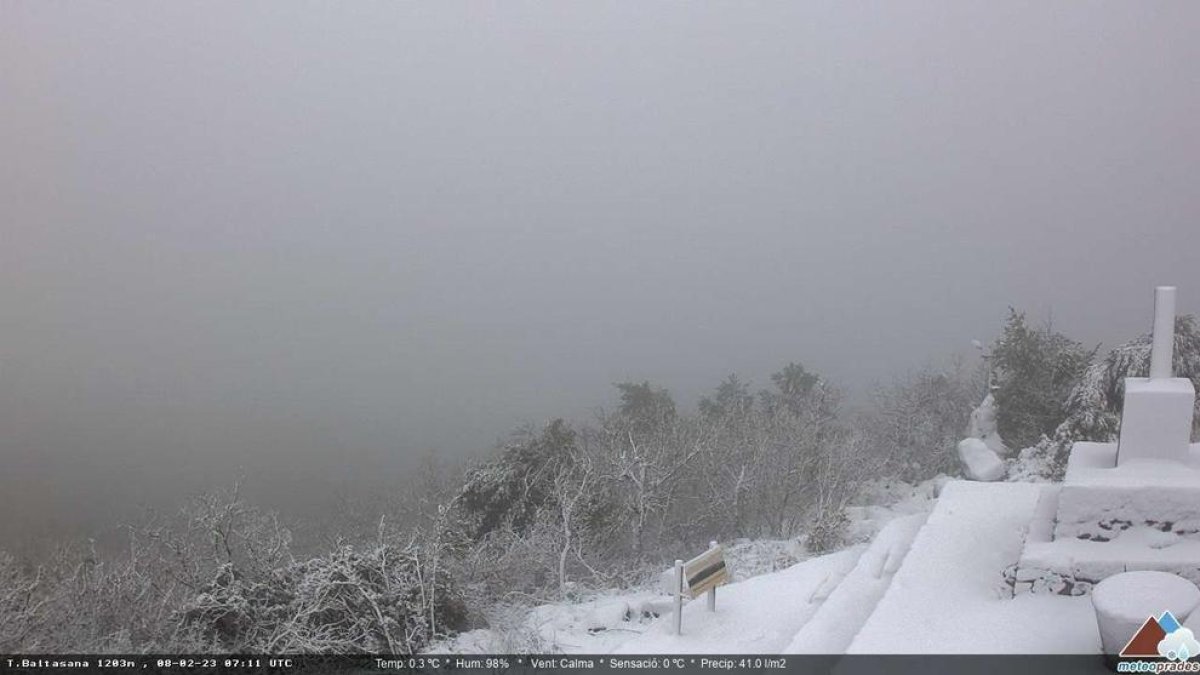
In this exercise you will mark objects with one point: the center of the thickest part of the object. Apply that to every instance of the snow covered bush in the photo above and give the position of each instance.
(747, 558)
(1044, 462)
(75, 602)
(388, 599)
(220, 577)
(19, 603)
(828, 532)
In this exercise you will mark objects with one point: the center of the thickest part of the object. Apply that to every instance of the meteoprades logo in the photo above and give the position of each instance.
(1161, 638)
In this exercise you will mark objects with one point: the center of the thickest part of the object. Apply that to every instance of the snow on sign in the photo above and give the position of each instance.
(703, 573)
(706, 571)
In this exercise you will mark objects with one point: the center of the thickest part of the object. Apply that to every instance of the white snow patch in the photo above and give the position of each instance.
(979, 461)
(592, 626)
(885, 500)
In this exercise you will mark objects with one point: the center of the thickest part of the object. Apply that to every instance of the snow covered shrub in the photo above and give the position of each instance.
(76, 602)
(220, 577)
(507, 565)
(19, 603)
(246, 591)
(388, 599)
(827, 533)
(751, 557)
(1044, 462)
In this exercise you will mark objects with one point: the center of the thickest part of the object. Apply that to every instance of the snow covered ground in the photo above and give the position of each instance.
(760, 615)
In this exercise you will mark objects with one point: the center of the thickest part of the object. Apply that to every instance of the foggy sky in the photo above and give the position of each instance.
(312, 240)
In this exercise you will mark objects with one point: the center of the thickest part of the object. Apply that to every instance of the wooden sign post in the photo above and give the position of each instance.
(699, 575)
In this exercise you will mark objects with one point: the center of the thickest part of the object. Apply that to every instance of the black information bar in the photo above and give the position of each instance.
(532, 664)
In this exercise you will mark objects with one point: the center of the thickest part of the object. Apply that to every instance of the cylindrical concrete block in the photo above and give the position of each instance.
(1124, 601)
(1163, 348)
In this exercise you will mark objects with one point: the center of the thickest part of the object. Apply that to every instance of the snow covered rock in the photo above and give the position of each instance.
(608, 614)
(983, 426)
(979, 461)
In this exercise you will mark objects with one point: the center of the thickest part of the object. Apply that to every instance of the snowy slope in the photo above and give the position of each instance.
(758, 615)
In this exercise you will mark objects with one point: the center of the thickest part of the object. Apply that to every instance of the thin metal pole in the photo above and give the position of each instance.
(679, 597)
(712, 592)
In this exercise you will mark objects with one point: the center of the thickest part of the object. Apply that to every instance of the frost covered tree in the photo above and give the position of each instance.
(916, 422)
(781, 463)
(647, 466)
(512, 489)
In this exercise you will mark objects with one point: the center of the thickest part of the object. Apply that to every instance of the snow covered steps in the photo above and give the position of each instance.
(1106, 519)
(846, 608)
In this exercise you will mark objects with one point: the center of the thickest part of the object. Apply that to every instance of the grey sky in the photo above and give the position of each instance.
(318, 238)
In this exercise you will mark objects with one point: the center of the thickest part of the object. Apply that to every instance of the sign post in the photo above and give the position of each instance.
(679, 590)
(700, 575)
(712, 592)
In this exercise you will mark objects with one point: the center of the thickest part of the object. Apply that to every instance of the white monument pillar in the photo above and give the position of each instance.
(1156, 422)
(1163, 348)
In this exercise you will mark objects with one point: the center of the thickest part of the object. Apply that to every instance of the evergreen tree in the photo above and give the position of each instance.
(644, 406)
(1036, 370)
(732, 400)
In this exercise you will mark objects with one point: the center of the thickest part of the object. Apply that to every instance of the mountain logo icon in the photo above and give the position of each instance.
(1162, 637)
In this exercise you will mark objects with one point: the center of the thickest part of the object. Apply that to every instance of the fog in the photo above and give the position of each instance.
(309, 243)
